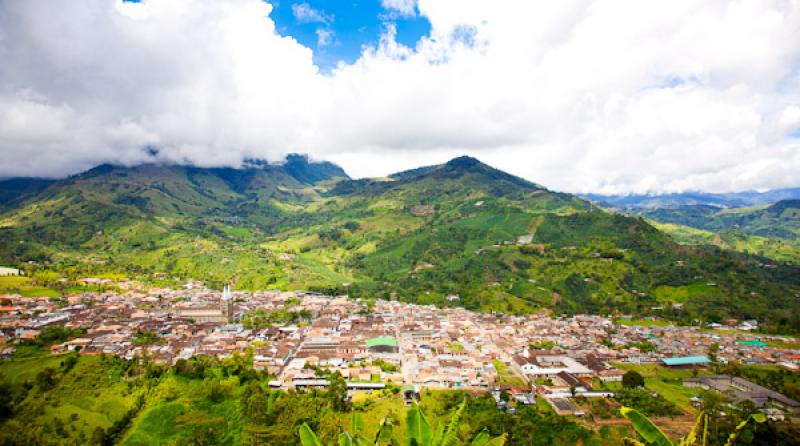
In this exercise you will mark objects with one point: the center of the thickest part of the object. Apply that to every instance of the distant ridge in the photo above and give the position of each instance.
(724, 200)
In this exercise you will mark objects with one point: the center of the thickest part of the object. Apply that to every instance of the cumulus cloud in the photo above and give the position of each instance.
(580, 95)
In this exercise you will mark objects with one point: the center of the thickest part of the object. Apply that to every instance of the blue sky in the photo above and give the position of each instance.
(352, 24)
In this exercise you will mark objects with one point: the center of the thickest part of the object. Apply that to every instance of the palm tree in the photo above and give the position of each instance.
(698, 436)
(418, 432)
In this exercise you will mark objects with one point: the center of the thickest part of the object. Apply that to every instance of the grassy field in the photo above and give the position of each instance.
(643, 322)
(25, 287)
(667, 382)
(506, 377)
(680, 294)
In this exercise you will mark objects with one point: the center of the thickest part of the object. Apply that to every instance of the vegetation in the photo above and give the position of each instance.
(632, 379)
(646, 401)
(71, 399)
(699, 434)
(147, 338)
(771, 231)
(262, 318)
(418, 432)
(496, 241)
(55, 334)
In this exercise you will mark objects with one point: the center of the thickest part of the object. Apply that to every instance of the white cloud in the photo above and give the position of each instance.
(402, 7)
(304, 13)
(576, 95)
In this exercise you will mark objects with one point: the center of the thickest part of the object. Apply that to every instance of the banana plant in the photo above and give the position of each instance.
(698, 436)
(418, 432)
(756, 417)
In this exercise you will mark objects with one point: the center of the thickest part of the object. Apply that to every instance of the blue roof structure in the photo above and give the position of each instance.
(686, 360)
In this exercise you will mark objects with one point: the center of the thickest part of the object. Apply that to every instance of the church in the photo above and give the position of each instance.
(221, 314)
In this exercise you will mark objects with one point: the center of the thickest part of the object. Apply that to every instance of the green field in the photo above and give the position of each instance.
(667, 382)
(25, 287)
(506, 377)
(643, 322)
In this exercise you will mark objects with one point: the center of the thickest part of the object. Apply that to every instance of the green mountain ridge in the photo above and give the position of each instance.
(463, 228)
(771, 231)
(780, 219)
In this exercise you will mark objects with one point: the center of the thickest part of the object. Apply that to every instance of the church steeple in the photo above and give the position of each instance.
(226, 303)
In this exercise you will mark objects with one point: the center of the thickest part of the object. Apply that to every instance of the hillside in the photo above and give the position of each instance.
(465, 229)
(15, 190)
(781, 219)
(771, 231)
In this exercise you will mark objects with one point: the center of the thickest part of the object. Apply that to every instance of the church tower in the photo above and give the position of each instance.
(226, 304)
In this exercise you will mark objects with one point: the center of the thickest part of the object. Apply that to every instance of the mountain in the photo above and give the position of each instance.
(736, 199)
(17, 189)
(771, 231)
(299, 167)
(780, 219)
(494, 241)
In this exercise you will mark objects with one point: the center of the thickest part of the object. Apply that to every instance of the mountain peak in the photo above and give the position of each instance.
(464, 162)
(312, 172)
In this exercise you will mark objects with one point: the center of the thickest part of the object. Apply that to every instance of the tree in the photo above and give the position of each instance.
(713, 352)
(337, 392)
(69, 362)
(254, 403)
(99, 436)
(46, 379)
(632, 379)
(6, 400)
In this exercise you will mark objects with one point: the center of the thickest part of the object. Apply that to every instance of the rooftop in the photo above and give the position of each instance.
(686, 360)
(382, 340)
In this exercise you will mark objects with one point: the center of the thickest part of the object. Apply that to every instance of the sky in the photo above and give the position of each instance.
(628, 96)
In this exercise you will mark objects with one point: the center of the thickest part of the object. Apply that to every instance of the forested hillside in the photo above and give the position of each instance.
(771, 231)
(488, 240)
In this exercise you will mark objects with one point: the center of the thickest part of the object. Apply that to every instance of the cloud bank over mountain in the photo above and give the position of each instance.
(609, 97)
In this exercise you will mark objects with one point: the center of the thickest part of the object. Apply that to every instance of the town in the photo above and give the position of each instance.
(298, 337)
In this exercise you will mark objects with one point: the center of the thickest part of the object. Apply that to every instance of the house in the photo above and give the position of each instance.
(563, 407)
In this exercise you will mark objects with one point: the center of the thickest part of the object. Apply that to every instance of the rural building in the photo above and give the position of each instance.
(686, 362)
(742, 389)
